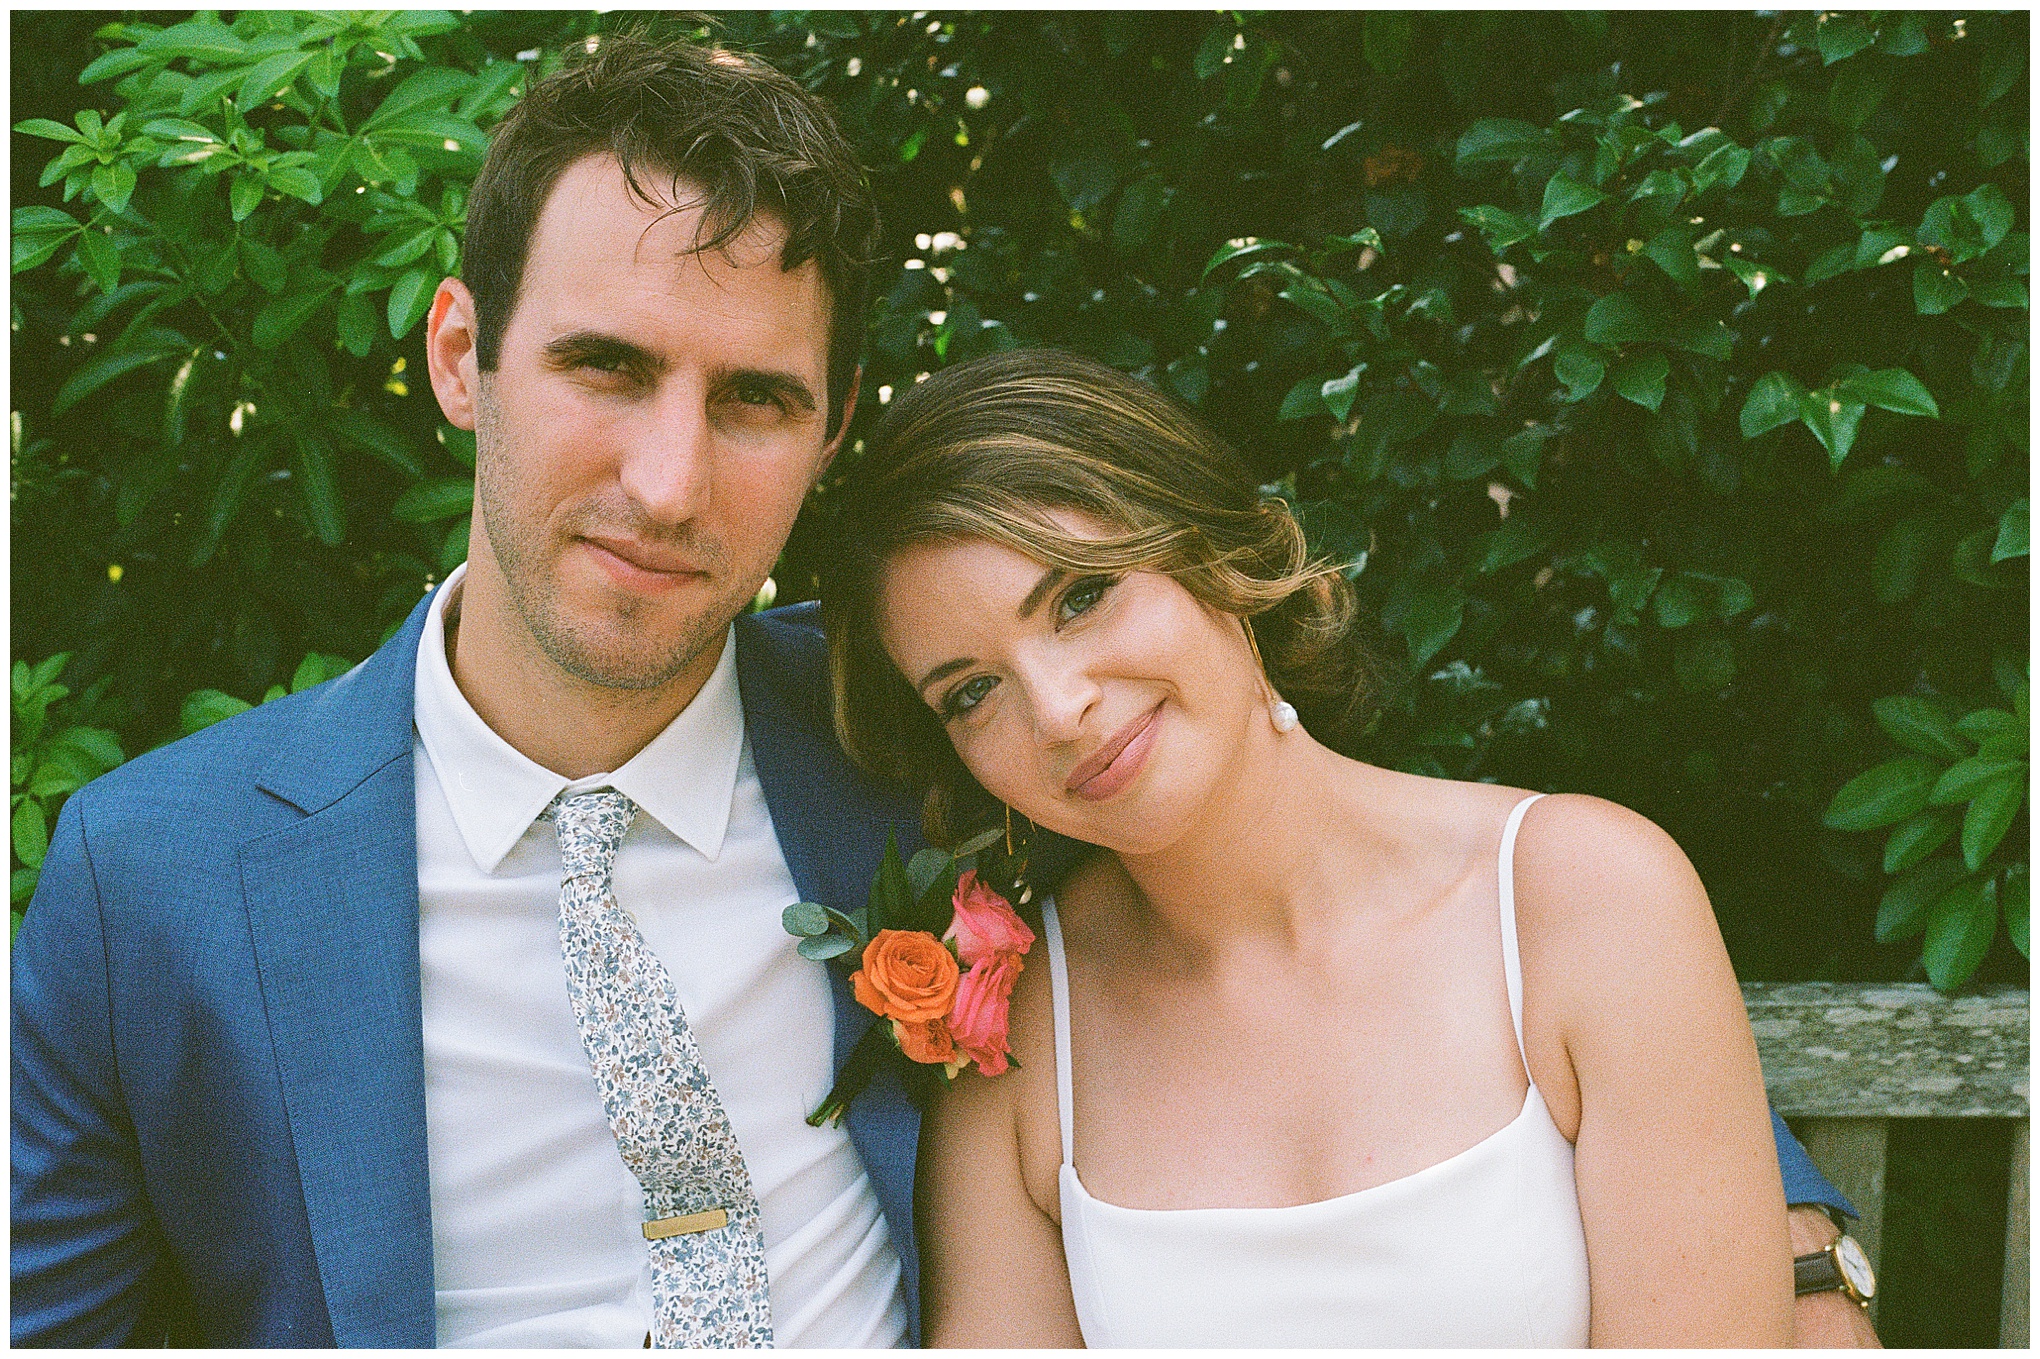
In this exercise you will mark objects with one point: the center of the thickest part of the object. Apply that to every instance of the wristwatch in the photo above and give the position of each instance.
(1842, 1265)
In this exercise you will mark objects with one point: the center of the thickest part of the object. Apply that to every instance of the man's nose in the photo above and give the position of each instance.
(667, 461)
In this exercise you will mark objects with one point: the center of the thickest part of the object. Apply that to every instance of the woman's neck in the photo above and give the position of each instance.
(1269, 859)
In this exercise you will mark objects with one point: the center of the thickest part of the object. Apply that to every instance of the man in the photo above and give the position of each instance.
(316, 1035)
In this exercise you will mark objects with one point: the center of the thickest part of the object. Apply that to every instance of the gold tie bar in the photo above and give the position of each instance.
(685, 1224)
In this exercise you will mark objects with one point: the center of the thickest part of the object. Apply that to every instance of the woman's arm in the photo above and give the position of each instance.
(1628, 991)
(992, 1270)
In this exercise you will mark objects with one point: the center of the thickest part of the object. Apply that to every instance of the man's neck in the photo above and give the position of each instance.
(557, 720)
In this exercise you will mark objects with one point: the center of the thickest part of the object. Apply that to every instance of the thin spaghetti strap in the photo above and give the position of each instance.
(1059, 988)
(1512, 962)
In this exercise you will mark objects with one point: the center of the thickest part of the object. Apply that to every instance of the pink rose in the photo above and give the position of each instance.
(984, 924)
(983, 1001)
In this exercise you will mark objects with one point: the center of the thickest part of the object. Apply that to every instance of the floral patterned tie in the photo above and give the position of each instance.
(701, 1216)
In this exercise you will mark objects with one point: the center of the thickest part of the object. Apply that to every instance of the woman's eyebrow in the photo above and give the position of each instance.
(943, 671)
(1049, 580)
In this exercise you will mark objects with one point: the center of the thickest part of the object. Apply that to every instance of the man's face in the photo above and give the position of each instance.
(654, 421)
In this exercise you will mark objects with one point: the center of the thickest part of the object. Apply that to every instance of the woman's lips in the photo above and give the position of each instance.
(1111, 767)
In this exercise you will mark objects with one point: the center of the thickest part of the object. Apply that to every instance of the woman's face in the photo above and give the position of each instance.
(1107, 708)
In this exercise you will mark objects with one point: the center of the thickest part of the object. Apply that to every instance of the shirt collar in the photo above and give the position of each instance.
(685, 778)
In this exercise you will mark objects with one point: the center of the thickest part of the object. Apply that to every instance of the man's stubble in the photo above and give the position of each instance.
(614, 654)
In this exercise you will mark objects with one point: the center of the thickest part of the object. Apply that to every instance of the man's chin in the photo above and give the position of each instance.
(622, 650)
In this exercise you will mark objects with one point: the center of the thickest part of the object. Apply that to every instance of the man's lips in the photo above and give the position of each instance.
(1109, 768)
(639, 564)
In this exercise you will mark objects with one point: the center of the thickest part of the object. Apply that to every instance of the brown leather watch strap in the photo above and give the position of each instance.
(1816, 1273)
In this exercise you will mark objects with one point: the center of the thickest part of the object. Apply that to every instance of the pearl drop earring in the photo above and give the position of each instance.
(1281, 713)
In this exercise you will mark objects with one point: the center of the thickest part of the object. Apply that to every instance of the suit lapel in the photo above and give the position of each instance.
(333, 901)
(832, 824)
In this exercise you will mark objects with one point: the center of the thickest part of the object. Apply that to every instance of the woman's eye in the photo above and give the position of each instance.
(1082, 596)
(967, 695)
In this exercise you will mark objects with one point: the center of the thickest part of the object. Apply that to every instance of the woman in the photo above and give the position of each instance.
(1322, 1053)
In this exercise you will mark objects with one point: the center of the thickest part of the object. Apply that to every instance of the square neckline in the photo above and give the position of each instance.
(1058, 971)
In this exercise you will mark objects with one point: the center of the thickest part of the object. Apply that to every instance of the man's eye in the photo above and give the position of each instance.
(1082, 596)
(755, 394)
(967, 695)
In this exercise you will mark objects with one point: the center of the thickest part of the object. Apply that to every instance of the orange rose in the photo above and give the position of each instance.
(907, 975)
(928, 1042)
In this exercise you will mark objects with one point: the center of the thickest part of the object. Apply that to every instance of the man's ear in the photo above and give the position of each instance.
(450, 352)
(842, 430)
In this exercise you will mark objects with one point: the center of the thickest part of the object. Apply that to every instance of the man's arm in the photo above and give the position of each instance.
(84, 1245)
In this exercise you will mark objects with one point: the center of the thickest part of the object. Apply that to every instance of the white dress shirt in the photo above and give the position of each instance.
(535, 1217)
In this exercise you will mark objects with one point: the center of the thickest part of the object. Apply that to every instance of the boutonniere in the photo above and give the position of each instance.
(935, 949)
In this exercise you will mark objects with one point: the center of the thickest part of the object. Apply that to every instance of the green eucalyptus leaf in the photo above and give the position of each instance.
(823, 949)
(805, 919)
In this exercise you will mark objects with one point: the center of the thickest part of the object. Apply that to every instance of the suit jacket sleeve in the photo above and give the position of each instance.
(1803, 1183)
(85, 1252)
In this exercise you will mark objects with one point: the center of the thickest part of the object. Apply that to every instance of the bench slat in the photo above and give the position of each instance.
(1839, 1050)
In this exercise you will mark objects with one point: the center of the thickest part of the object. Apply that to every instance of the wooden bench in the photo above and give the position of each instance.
(1842, 1059)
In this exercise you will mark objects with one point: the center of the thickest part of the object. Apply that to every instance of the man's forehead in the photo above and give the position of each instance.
(653, 208)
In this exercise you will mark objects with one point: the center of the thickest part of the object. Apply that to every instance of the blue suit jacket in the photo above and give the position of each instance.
(218, 1070)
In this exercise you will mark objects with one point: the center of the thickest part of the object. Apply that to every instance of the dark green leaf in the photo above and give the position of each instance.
(207, 706)
(1880, 796)
(2014, 529)
(1672, 251)
(1304, 399)
(1773, 400)
(1914, 838)
(1891, 389)
(118, 62)
(410, 299)
(1240, 249)
(1991, 813)
(1580, 369)
(430, 501)
(1385, 39)
(1959, 932)
(2014, 893)
(1502, 229)
(1833, 421)
(268, 76)
(1622, 318)
(1895, 565)
(320, 491)
(1908, 901)
(281, 317)
(1725, 165)
(1084, 179)
(1641, 378)
(245, 195)
(1965, 779)
(1338, 393)
(1431, 619)
(203, 39)
(31, 836)
(1842, 35)
(106, 367)
(100, 258)
(1857, 91)
(1936, 290)
(45, 127)
(1920, 725)
(435, 87)
(1494, 140)
(356, 324)
(265, 266)
(363, 431)
(1567, 197)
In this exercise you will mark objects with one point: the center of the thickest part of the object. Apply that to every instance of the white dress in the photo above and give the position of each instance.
(1482, 1250)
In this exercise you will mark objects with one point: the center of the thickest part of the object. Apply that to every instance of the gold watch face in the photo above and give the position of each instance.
(1855, 1267)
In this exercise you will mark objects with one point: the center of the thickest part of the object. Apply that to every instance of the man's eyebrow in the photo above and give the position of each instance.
(586, 344)
(943, 671)
(1051, 578)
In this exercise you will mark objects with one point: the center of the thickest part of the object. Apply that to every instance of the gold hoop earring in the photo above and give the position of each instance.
(1281, 713)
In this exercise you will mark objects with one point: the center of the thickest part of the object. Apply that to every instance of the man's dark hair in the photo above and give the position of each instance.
(748, 137)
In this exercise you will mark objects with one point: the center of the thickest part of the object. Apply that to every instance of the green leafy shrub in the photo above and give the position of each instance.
(1660, 378)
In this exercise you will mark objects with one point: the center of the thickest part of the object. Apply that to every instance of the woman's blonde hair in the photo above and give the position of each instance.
(986, 450)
